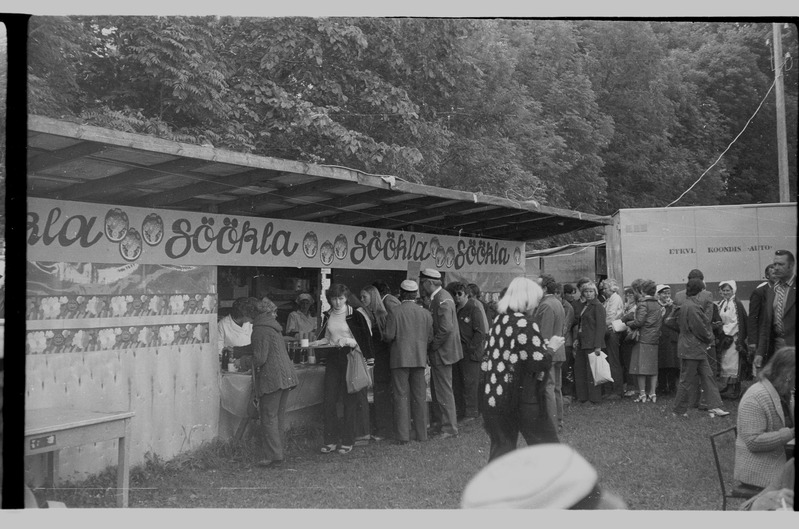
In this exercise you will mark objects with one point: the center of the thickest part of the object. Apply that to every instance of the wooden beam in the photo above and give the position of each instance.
(218, 185)
(65, 155)
(139, 175)
(343, 202)
(386, 209)
(423, 216)
(246, 204)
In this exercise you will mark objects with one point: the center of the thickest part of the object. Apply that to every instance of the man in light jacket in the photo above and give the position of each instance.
(409, 330)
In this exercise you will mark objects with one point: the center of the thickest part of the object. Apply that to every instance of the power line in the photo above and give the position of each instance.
(727, 149)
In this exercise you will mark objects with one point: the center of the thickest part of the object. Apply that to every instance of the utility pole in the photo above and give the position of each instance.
(782, 140)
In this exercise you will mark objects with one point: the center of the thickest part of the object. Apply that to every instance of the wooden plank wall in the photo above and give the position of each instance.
(173, 391)
(145, 343)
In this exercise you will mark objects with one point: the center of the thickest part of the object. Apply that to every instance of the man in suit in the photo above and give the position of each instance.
(444, 350)
(409, 330)
(551, 319)
(778, 326)
(757, 310)
(389, 300)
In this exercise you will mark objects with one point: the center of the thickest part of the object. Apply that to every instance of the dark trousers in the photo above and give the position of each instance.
(465, 379)
(612, 341)
(626, 355)
(410, 402)
(383, 400)
(530, 420)
(337, 430)
(272, 411)
(584, 387)
(567, 372)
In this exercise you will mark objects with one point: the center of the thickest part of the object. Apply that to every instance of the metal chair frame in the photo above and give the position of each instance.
(734, 492)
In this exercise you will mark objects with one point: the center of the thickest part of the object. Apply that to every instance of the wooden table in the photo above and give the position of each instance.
(49, 430)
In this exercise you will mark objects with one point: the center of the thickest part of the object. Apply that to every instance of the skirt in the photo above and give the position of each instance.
(644, 360)
(729, 361)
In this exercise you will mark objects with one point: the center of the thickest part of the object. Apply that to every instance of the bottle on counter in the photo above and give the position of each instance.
(311, 356)
(225, 355)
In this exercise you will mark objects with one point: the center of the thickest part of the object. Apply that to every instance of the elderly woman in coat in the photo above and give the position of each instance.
(765, 421)
(644, 361)
(514, 370)
(274, 377)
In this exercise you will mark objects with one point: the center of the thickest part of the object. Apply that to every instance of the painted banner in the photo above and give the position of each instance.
(69, 231)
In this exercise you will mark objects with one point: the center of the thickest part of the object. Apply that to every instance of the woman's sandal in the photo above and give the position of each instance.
(653, 398)
(345, 449)
(640, 398)
(327, 449)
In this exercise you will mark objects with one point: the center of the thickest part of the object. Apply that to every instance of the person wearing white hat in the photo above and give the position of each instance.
(409, 330)
(301, 323)
(544, 476)
(443, 352)
(734, 327)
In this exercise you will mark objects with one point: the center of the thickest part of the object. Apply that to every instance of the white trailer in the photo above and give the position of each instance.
(724, 242)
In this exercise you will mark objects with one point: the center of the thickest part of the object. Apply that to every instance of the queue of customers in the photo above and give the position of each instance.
(516, 362)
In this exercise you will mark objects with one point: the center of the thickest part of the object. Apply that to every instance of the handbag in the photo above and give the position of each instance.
(632, 335)
(600, 368)
(357, 374)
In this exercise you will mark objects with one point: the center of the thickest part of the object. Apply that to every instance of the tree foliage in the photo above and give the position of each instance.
(586, 115)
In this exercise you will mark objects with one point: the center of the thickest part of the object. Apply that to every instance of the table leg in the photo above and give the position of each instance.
(123, 470)
(52, 468)
(242, 428)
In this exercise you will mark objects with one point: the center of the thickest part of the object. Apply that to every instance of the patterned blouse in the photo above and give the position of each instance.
(515, 348)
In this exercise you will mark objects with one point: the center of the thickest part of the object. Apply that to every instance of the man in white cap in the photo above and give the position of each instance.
(444, 350)
(543, 476)
(409, 330)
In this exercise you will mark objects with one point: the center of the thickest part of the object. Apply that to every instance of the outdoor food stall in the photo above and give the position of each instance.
(137, 246)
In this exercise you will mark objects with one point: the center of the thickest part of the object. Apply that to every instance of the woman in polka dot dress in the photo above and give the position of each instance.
(514, 370)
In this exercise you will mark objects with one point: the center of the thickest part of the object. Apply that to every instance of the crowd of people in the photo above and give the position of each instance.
(518, 361)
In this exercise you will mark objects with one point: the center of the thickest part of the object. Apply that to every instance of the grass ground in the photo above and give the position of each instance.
(643, 454)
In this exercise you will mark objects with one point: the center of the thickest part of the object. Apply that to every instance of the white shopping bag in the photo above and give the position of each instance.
(600, 368)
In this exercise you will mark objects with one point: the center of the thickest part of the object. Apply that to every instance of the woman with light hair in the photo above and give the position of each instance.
(514, 370)
(766, 421)
(383, 403)
(590, 340)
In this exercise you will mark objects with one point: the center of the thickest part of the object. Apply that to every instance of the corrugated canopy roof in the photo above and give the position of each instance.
(68, 161)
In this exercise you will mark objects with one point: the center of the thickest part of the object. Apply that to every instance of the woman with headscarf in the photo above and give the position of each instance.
(346, 328)
(274, 377)
(301, 323)
(514, 370)
(766, 421)
(647, 320)
(383, 403)
(732, 340)
(590, 339)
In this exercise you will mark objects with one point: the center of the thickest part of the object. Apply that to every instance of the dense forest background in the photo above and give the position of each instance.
(586, 115)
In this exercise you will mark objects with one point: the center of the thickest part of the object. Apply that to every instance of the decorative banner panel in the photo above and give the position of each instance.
(80, 232)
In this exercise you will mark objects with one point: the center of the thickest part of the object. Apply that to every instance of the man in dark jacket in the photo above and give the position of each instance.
(692, 346)
(444, 351)
(778, 325)
(757, 310)
(466, 372)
